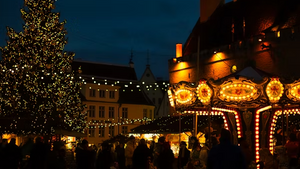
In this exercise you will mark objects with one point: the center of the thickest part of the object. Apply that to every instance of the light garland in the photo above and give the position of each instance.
(171, 98)
(213, 113)
(273, 123)
(132, 84)
(274, 90)
(37, 77)
(256, 131)
(110, 122)
(237, 119)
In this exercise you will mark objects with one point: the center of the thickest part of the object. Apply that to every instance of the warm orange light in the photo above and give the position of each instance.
(174, 60)
(178, 50)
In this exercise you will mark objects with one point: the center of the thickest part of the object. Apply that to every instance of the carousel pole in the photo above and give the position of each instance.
(197, 78)
(209, 126)
(282, 123)
(179, 128)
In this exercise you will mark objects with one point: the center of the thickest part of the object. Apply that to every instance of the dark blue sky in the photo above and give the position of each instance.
(106, 30)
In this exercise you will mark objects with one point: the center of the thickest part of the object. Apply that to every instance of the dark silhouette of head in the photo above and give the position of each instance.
(161, 140)
(84, 143)
(38, 140)
(142, 142)
(293, 137)
(12, 141)
(166, 146)
(225, 135)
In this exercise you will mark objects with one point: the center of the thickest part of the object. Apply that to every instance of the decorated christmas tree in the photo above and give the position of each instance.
(39, 90)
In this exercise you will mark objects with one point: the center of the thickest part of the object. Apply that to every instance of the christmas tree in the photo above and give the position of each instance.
(38, 85)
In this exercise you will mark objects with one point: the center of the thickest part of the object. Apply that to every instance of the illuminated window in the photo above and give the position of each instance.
(101, 111)
(92, 111)
(125, 112)
(125, 129)
(91, 132)
(233, 69)
(92, 93)
(111, 112)
(101, 132)
(278, 34)
(102, 93)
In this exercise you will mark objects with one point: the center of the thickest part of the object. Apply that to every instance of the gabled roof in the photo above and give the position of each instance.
(101, 70)
(133, 95)
(260, 16)
(148, 73)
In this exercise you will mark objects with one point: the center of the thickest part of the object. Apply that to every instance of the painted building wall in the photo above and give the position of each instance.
(100, 118)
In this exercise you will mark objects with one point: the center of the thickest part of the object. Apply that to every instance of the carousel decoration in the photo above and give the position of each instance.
(293, 91)
(238, 90)
(184, 94)
(274, 90)
(227, 97)
(204, 92)
(170, 95)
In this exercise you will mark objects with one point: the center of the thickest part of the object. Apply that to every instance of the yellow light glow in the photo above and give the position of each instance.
(183, 96)
(274, 90)
(204, 92)
(238, 92)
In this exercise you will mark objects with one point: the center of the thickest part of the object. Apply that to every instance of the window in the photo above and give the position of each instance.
(111, 112)
(92, 111)
(92, 93)
(145, 113)
(125, 112)
(101, 131)
(102, 93)
(112, 94)
(91, 132)
(101, 111)
(112, 131)
(153, 100)
(125, 129)
(150, 114)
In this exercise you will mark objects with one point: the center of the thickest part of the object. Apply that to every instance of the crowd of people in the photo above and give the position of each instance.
(218, 153)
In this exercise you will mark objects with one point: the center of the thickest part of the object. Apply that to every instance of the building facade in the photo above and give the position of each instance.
(240, 34)
(113, 101)
(156, 91)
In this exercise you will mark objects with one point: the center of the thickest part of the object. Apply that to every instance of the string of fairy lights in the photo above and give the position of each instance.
(37, 80)
(131, 85)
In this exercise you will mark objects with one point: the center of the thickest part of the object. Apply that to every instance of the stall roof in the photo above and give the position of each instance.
(171, 124)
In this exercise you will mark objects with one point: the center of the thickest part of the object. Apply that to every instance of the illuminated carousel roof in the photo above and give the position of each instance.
(235, 91)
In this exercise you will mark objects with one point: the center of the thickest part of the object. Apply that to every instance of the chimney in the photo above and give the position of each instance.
(207, 8)
(178, 50)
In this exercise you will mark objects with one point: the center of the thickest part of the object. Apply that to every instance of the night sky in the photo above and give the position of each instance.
(106, 30)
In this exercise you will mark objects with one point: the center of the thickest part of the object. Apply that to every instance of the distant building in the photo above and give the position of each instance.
(115, 103)
(230, 37)
(156, 90)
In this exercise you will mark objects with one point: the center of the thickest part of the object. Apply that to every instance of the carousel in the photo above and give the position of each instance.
(250, 109)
